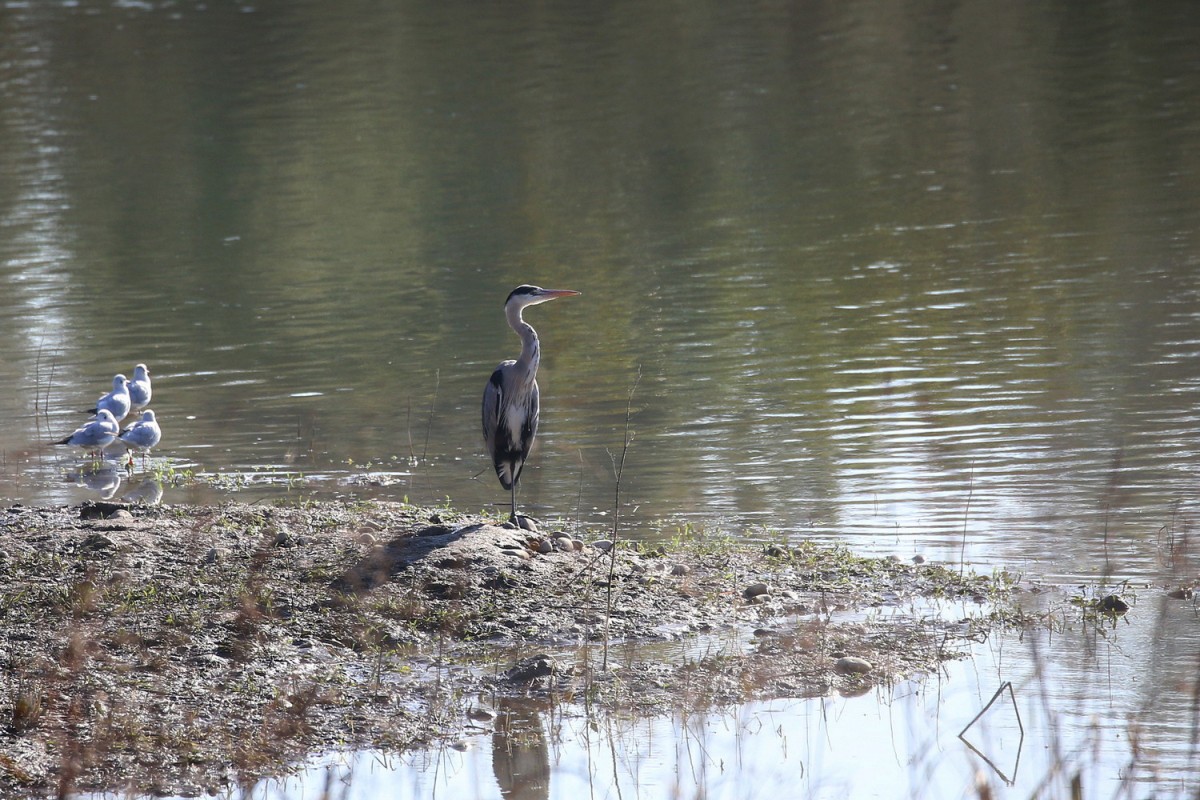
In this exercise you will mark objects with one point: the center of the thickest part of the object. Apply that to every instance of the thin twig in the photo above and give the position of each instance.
(618, 469)
(1020, 727)
(962, 556)
(437, 381)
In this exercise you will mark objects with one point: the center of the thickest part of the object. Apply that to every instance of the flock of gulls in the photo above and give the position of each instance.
(104, 428)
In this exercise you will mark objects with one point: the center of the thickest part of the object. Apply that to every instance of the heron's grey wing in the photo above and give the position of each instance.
(493, 405)
(529, 429)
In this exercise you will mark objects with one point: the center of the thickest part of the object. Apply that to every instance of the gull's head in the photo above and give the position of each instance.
(148, 416)
(526, 295)
(104, 415)
(141, 372)
(119, 381)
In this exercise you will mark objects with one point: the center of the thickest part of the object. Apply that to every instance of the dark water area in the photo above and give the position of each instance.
(923, 278)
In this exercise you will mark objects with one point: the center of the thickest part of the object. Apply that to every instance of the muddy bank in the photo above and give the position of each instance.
(182, 650)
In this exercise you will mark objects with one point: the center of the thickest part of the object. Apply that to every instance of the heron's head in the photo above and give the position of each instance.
(526, 295)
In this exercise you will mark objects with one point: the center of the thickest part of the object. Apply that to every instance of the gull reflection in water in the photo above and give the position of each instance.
(147, 493)
(103, 478)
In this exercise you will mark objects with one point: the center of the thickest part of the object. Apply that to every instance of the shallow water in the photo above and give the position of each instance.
(923, 280)
(900, 741)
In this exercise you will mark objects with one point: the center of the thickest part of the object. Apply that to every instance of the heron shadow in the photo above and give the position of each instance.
(384, 562)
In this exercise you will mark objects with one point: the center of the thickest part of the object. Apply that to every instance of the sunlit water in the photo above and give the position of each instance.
(924, 281)
(1061, 720)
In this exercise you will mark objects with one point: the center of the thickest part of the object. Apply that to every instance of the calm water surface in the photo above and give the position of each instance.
(921, 279)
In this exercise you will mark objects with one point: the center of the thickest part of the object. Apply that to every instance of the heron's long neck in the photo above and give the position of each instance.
(531, 351)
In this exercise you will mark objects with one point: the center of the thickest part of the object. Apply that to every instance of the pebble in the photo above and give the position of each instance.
(775, 551)
(1112, 605)
(532, 668)
(527, 523)
(681, 569)
(918, 559)
(852, 665)
(545, 546)
(98, 541)
(367, 538)
(754, 590)
(480, 714)
(603, 545)
(563, 543)
(1184, 593)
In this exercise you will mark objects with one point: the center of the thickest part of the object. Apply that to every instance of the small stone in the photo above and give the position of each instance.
(532, 668)
(121, 515)
(680, 569)
(604, 545)
(527, 523)
(563, 543)
(367, 538)
(775, 551)
(576, 545)
(1183, 593)
(754, 590)
(852, 665)
(98, 541)
(212, 556)
(545, 546)
(1112, 605)
(480, 714)
(284, 539)
(918, 559)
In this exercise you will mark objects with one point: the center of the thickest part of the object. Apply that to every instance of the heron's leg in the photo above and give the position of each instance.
(513, 504)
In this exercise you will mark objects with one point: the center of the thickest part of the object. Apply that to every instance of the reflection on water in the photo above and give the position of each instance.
(923, 279)
(102, 478)
(520, 756)
(901, 742)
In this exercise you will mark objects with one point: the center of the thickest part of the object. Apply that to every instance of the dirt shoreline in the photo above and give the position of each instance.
(182, 650)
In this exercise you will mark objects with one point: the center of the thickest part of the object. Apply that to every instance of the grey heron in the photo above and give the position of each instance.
(510, 399)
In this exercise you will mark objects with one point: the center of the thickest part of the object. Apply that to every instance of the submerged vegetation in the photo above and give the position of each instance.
(182, 649)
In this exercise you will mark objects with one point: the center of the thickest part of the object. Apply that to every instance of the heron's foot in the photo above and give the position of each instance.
(522, 522)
